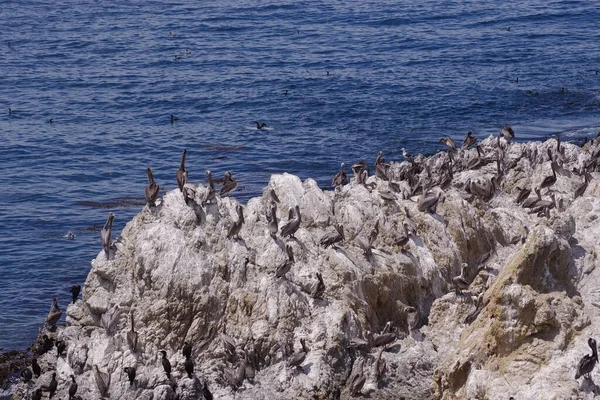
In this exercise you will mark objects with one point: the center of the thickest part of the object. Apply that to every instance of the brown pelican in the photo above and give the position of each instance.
(530, 202)
(132, 336)
(236, 227)
(151, 189)
(166, 364)
(381, 340)
(297, 359)
(189, 193)
(357, 380)
(380, 366)
(582, 188)
(550, 180)
(374, 233)
(273, 196)
(211, 194)
(411, 225)
(54, 314)
(379, 159)
(131, 372)
(476, 160)
(182, 173)
(286, 266)
(229, 184)
(460, 281)
(75, 290)
(260, 127)
(53, 385)
(241, 373)
(428, 201)
(329, 239)
(319, 288)
(381, 167)
(72, 388)
(361, 171)
(105, 234)
(110, 319)
(102, 380)
(449, 143)
(507, 133)
(523, 194)
(469, 141)
(290, 227)
(272, 219)
(588, 362)
(340, 178)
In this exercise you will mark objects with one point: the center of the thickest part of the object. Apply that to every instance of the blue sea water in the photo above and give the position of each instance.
(361, 77)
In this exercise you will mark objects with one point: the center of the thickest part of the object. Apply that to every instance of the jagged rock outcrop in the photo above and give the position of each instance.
(522, 324)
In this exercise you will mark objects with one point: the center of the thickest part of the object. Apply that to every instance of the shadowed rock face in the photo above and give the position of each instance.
(519, 328)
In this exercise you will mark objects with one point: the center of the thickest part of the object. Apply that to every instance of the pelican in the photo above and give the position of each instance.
(381, 171)
(272, 219)
(476, 160)
(340, 178)
(469, 141)
(260, 127)
(374, 233)
(380, 366)
(236, 227)
(132, 336)
(72, 388)
(211, 194)
(105, 234)
(428, 202)
(152, 188)
(229, 184)
(319, 288)
(286, 266)
(54, 314)
(530, 202)
(102, 380)
(582, 188)
(523, 194)
(507, 133)
(404, 239)
(290, 227)
(166, 364)
(449, 143)
(189, 193)
(460, 281)
(381, 340)
(357, 380)
(182, 173)
(273, 196)
(588, 362)
(379, 159)
(550, 180)
(361, 171)
(297, 359)
(329, 239)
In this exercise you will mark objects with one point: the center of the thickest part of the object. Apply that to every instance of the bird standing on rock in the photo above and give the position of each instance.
(36, 368)
(469, 141)
(460, 282)
(166, 363)
(131, 372)
(236, 227)
(290, 227)
(152, 189)
(53, 385)
(297, 359)
(229, 184)
(54, 315)
(286, 266)
(102, 380)
(72, 388)
(182, 173)
(189, 366)
(75, 290)
(329, 239)
(319, 288)
(105, 234)
(588, 362)
(340, 178)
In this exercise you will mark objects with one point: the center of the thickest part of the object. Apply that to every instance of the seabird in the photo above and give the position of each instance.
(550, 180)
(228, 344)
(407, 155)
(381, 170)
(476, 160)
(105, 234)
(273, 196)
(189, 366)
(54, 314)
(166, 363)
(131, 372)
(297, 359)
(102, 380)
(37, 395)
(469, 141)
(460, 281)
(182, 174)
(361, 171)
(75, 290)
(530, 202)
(236, 227)
(60, 347)
(587, 363)
(411, 225)
(329, 239)
(357, 381)
(229, 184)
(132, 336)
(381, 340)
(447, 140)
(37, 370)
(260, 127)
(26, 374)
(206, 392)
(290, 227)
(319, 288)
(380, 366)
(53, 385)
(172, 34)
(523, 194)
(285, 92)
(272, 219)
(188, 52)
(374, 233)
(428, 201)
(211, 194)
(507, 133)
(582, 188)
(340, 178)
(403, 239)
(152, 188)
(186, 350)
(286, 266)
(72, 388)
(174, 118)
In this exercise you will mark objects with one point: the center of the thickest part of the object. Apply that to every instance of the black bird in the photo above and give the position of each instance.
(189, 366)
(181, 172)
(26, 375)
(53, 385)
(75, 290)
(130, 371)
(47, 344)
(60, 347)
(588, 362)
(186, 350)
(152, 189)
(37, 395)
(37, 370)
(166, 364)
(72, 388)
(174, 118)
(262, 126)
(206, 392)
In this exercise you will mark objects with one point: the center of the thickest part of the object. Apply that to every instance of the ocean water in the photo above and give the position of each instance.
(361, 77)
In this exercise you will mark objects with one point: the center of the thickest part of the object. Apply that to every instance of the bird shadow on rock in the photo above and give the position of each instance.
(393, 349)
(588, 386)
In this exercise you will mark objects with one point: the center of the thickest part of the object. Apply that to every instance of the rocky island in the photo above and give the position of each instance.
(429, 279)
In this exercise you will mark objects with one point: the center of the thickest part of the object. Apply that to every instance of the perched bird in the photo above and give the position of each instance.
(531, 202)
(211, 194)
(54, 314)
(428, 202)
(260, 127)
(588, 362)
(102, 380)
(228, 344)
(26, 374)
(189, 366)
(47, 344)
(340, 178)
(75, 290)
(273, 196)
(286, 266)
(329, 239)
(37, 395)
(381, 340)
(72, 388)
(507, 133)
(105, 234)
(166, 364)
(380, 366)
(132, 336)
(361, 172)
(60, 347)
(374, 233)
(36, 368)
(272, 219)
(550, 180)
(186, 350)
(131, 372)
(152, 189)
(357, 380)
(297, 359)
(460, 282)
(469, 141)
(319, 288)
(407, 156)
(449, 142)
(582, 188)
(523, 194)
(236, 227)
(290, 227)
(182, 173)
(229, 184)
(206, 394)
(53, 385)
